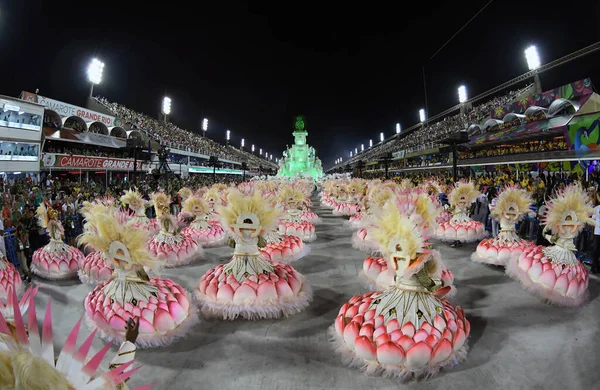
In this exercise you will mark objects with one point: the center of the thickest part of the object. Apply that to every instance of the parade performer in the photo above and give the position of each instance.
(434, 190)
(249, 286)
(408, 330)
(205, 231)
(169, 245)
(164, 307)
(56, 260)
(554, 274)
(461, 228)
(27, 360)
(138, 205)
(9, 277)
(375, 274)
(94, 268)
(291, 224)
(376, 200)
(349, 202)
(511, 206)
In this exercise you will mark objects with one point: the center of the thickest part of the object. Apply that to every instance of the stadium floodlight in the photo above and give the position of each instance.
(370, 143)
(260, 152)
(94, 73)
(227, 137)
(381, 137)
(276, 160)
(533, 58)
(350, 153)
(422, 115)
(266, 154)
(204, 126)
(398, 128)
(462, 94)
(252, 148)
(362, 147)
(270, 157)
(242, 142)
(166, 105)
(355, 151)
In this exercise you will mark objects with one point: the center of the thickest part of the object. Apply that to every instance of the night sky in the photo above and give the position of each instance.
(353, 69)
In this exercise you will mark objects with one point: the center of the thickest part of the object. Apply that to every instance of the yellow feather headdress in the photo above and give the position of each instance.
(131, 196)
(290, 194)
(238, 204)
(466, 189)
(45, 214)
(195, 204)
(185, 192)
(161, 202)
(356, 186)
(512, 195)
(573, 199)
(102, 228)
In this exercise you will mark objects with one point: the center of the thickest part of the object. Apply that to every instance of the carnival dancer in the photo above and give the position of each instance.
(511, 206)
(27, 360)
(279, 247)
(206, 231)
(94, 267)
(291, 201)
(408, 330)
(249, 286)
(56, 260)
(377, 198)
(461, 228)
(554, 274)
(163, 306)
(133, 199)
(350, 200)
(435, 191)
(9, 277)
(375, 274)
(171, 246)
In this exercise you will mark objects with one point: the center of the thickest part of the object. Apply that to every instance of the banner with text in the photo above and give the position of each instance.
(66, 110)
(53, 160)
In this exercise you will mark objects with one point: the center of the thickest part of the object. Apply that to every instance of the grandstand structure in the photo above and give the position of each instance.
(523, 129)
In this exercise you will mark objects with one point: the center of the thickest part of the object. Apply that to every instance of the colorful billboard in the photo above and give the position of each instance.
(53, 160)
(584, 132)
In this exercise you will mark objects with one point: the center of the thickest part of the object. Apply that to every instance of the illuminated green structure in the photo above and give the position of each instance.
(300, 160)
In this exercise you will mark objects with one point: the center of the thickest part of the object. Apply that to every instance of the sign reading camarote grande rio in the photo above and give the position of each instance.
(52, 160)
(65, 110)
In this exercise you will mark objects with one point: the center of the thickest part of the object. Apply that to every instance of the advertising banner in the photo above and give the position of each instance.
(53, 160)
(66, 110)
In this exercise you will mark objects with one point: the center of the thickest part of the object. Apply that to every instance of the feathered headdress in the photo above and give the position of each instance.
(161, 202)
(512, 196)
(463, 192)
(195, 205)
(569, 204)
(213, 196)
(131, 196)
(185, 192)
(356, 187)
(289, 194)
(45, 213)
(238, 204)
(103, 231)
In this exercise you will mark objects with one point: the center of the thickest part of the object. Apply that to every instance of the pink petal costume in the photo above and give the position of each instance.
(170, 246)
(30, 357)
(56, 260)
(512, 205)
(409, 330)
(9, 277)
(138, 205)
(291, 199)
(249, 286)
(206, 232)
(164, 308)
(553, 273)
(283, 248)
(461, 227)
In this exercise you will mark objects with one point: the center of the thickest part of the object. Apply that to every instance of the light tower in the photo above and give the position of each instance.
(422, 116)
(362, 147)
(242, 147)
(381, 137)
(370, 143)
(462, 98)
(252, 148)
(227, 137)
(533, 62)
(166, 107)
(94, 73)
(204, 127)
(398, 128)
